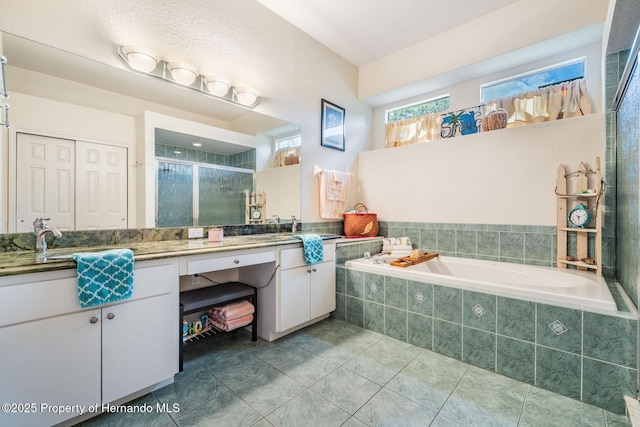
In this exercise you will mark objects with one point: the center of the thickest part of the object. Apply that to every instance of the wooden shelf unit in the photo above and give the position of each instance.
(255, 202)
(573, 188)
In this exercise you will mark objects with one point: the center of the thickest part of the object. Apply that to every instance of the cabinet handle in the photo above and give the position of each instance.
(308, 270)
(314, 270)
(110, 316)
(236, 261)
(94, 319)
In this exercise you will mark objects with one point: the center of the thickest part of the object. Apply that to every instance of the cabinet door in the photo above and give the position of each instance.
(139, 345)
(323, 289)
(54, 361)
(294, 297)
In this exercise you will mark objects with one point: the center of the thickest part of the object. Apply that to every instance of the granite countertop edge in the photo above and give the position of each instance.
(24, 262)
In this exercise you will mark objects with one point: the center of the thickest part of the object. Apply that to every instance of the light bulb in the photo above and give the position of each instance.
(246, 95)
(140, 58)
(218, 86)
(182, 73)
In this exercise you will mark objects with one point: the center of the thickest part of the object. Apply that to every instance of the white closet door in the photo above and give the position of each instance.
(101, 190)
(45, 181)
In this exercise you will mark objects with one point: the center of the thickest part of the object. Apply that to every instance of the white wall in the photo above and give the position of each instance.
(282, 188)
(501, 177)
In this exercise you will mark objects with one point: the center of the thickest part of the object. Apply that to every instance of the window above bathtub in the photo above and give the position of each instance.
(533, 80)
(287, 150)
(417, 109)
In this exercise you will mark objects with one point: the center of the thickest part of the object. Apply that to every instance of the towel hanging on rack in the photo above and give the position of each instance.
(334, 191)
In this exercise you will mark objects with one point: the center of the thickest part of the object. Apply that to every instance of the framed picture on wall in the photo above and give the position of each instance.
(332, 126)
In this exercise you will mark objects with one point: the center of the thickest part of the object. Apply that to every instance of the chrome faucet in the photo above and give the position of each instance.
(294, 224)
(40, 229)
(275, 220)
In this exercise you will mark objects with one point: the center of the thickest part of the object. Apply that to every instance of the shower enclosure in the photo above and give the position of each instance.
(200, 194)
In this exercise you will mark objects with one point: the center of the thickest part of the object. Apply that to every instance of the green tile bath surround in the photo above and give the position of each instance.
(593, 360)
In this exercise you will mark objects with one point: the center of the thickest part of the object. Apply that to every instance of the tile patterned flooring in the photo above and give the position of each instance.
(336, 374)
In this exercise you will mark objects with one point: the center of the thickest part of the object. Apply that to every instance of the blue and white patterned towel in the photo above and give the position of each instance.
(312, 247)
(104, 277)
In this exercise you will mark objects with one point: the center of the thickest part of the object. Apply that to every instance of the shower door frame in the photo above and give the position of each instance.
(196, 183)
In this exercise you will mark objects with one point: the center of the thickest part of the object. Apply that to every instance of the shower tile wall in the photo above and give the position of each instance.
(245, 159)
(583, 355)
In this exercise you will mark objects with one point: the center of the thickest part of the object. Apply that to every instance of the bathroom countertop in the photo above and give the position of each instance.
(23, 262)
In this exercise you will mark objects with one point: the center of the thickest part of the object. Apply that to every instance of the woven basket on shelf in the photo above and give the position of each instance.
(360, 223)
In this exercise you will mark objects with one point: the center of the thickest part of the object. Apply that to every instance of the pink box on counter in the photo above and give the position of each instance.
(215, 235)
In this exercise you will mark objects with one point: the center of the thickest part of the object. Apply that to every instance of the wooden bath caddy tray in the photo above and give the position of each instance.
(406, 261)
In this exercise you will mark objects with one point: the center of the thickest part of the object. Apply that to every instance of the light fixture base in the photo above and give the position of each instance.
(162, 71)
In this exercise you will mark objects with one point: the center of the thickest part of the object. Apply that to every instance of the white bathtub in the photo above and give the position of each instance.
(569, 288)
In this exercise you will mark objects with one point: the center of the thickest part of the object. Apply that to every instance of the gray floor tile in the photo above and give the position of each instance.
(278, 352)
(383, 360)
(442, 421)
(235, 371)
(485, 399)
(227, 409)
(190, 391)
(269, 390)
(390, 409)
(334, 373)
(544, 408)
(308, 409)
(354, 422)
(346, 389)
(307, 368)
(429, 379)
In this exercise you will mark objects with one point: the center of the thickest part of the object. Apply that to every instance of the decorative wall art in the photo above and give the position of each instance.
(461, 122)
(332, 126)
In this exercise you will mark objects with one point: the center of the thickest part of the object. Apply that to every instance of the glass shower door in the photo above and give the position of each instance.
(175, 195)
(221, 198)
(195, 194)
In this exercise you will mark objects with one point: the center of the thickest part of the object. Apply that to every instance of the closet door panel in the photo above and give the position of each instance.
(101, 201)
(45, 180)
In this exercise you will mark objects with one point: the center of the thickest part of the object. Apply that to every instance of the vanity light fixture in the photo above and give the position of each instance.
(218, 86)
(141, 59)
(148, 62)
(246, 95)
(182, 73)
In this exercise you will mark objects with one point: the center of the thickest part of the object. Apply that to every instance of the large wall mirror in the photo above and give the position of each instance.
(243, 177)
(204, 181)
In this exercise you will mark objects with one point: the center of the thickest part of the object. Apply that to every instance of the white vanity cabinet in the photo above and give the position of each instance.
(55, 353)
(303, 293)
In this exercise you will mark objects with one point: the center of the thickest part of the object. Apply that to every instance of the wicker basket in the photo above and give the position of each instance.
(360, 223)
